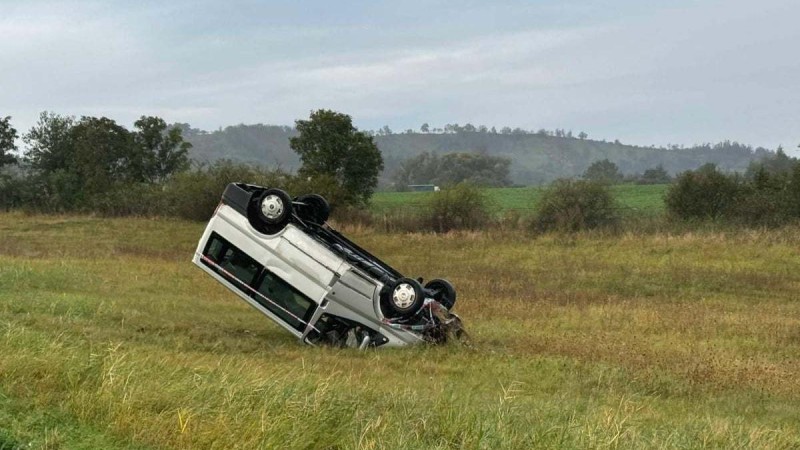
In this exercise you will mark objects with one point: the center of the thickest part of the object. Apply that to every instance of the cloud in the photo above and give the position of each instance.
(682, 72)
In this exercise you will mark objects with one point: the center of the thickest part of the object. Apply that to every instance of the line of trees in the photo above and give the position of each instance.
(93, 164)
(768, 194)
(454, 128)
(71, 164)
(453, 168)
(605, 171)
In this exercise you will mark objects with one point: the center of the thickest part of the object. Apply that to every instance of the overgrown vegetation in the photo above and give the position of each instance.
(8, 136)
(603, 171)
(94, 165)
(331, 148)
(769, 195)
(575, 205)
(453, 168)
(111, 339)
(461, 207)
(537, 156)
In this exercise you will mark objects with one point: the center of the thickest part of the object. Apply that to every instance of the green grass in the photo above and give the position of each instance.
(632, 199)
(110, 338)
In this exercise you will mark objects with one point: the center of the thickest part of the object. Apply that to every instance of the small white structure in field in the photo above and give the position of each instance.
(423, 187)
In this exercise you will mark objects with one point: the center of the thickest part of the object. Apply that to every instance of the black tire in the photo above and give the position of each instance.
(442, 291)
(404, 298)
(313, 208)
(270, 211)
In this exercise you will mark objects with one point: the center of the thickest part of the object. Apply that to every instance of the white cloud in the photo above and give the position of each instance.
(684, 72)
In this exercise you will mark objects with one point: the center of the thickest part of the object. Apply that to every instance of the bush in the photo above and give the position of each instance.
(195, 194)
(793, 192)
(461, 207)
(134, 199)
(705, 193)
(764, 199)
(11, 191)
(322, 184)
(569, 205)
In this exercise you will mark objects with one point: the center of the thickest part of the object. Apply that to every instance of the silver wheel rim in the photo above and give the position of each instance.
(272, 207)
(403, 295)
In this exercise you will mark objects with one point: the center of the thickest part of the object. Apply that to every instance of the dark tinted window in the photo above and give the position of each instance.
(236, 263)
(293, 304)
(240, 269)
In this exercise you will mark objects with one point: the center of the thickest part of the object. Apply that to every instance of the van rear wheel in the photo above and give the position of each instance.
(443, 292)
(270, 211)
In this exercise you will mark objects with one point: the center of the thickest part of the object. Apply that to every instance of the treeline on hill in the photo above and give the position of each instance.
(537, 157)
(90, 163)
(768, 194)
(95, 165)
(453, 168)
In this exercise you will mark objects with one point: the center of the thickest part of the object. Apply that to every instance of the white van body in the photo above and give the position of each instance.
(317, 285)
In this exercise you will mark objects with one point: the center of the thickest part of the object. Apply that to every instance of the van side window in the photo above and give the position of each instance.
(280, 292)
(286, 302)
(242, 267)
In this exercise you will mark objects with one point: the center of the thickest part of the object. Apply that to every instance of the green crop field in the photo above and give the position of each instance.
(111, 338)
(632, 199)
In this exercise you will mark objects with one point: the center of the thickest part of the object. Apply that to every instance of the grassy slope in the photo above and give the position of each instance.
(641, 199)
(111, 338)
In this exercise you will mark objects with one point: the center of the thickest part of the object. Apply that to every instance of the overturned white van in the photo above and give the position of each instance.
(280, 256)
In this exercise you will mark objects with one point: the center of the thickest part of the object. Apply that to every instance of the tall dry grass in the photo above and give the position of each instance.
(110, 338)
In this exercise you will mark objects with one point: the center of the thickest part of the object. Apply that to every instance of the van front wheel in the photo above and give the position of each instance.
(313, 208)
(405, 298)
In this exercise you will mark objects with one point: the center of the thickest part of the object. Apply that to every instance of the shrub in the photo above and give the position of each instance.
(195, 194)
(705, 193)
(763, 199)
(574, 205)
(133, 199)
(12, 191)
(793, 192)
(352, 217)
(322, 184)
(461, 207)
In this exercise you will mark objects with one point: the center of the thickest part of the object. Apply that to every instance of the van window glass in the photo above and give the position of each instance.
(245, 270)
(288, 298)
(242, 267)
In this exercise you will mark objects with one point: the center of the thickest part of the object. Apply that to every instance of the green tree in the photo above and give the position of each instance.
(8, 136)
(574, 205)
(773, 163)
(49, 142)
(453, 168)
(163, 151)
(603, 171)
(103, 155)
(705, 193)
(656, 175)
(329, 145)
(462, 206)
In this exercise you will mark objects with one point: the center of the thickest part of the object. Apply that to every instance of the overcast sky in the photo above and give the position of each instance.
(641, 71)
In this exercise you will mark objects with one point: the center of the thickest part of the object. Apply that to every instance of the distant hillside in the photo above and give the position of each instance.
(536, 157)
(265, 145)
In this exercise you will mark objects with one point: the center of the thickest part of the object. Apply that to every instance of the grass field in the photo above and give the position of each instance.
(110, 338)
(632, 199)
